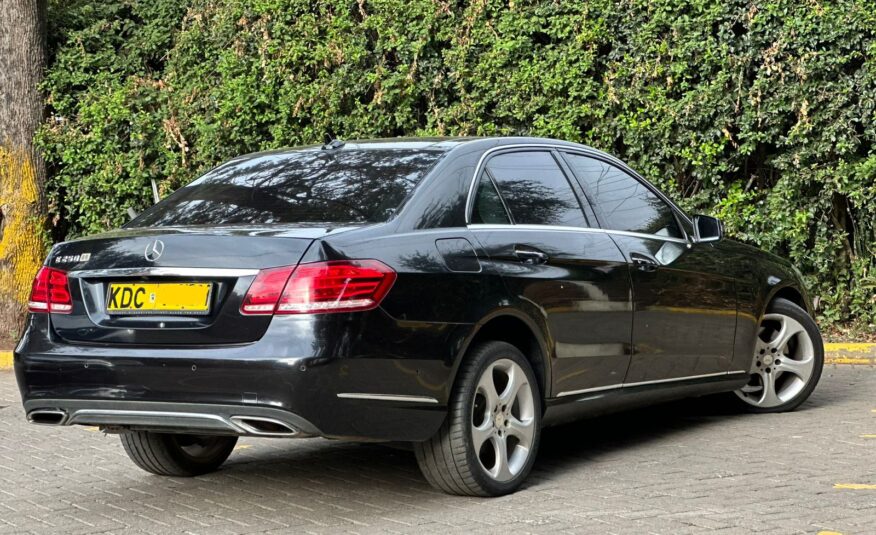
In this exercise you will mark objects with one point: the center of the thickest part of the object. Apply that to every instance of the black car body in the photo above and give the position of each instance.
(594, 275)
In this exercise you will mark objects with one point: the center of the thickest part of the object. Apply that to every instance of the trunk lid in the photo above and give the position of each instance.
(220, 261)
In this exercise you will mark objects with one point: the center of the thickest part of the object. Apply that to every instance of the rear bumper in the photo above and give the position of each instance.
(201, 418)
(342, 388)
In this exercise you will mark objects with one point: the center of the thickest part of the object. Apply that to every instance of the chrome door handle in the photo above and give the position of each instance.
(530, 255)
(644, 262)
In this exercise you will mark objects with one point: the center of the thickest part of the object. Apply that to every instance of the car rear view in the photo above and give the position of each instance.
(457, 295)
(197, 321)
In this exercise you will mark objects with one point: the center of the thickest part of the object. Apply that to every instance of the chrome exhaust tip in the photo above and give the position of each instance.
(47, 417)
(266, 427)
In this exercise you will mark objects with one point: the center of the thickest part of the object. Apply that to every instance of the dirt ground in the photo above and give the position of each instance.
(7, 340)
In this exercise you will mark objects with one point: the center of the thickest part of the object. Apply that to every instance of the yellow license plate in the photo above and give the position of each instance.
(159, 298)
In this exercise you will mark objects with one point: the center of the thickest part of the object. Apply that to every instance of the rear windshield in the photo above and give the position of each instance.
(344, 185)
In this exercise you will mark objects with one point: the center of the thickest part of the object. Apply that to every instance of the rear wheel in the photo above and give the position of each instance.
(168, 454)
(787, 361)
(487, 444)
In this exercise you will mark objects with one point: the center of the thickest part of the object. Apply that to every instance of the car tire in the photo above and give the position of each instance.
(508, 418)
(792, 366)
(166, 454)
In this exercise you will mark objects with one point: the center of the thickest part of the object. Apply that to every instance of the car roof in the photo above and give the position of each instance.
(447, 143)
(419, 143)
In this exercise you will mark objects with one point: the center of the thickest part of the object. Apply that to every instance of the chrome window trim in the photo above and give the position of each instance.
(556, 228)
(387, 397)
(469, 201)
(529, 226)
(648, 236)
(164, 272)
(644, 383)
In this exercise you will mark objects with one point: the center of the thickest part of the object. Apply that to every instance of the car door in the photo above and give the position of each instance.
(529, 220)
(684, 318)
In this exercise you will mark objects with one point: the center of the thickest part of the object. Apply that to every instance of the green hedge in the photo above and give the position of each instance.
(759, 112)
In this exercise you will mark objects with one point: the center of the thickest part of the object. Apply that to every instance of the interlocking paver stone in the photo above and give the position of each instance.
(686, 467)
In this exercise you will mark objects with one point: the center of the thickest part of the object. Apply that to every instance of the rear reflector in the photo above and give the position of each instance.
(319, 287)
(50, 292)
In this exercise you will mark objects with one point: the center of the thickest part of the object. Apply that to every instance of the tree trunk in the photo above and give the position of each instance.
(22, 169)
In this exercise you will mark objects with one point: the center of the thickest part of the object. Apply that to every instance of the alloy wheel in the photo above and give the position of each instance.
(503, 420)
(783, 363)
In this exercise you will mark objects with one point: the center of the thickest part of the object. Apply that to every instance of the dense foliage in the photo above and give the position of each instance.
(760, 112)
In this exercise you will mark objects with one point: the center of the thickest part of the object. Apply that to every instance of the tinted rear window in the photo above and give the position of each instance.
(535, 189)
(347, 185)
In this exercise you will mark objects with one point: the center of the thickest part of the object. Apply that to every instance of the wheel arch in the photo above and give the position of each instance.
(789, 293)
(516, 328)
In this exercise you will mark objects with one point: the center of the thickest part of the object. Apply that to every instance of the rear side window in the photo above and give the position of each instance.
(488, 207)
(623, 202)
(535, 189)
(345, 185)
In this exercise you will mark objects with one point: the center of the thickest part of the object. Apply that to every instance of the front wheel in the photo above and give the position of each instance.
(167, 454)
(787, 362)
(487, 444)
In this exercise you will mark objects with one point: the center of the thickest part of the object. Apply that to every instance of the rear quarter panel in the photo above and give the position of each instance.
(444, 286)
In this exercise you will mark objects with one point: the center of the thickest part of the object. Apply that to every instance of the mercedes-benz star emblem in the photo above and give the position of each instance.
(154, 250)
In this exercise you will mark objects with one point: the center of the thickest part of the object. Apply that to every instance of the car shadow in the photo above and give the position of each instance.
(374, 468)
(561, 446)
(314, 481)
(590, 440)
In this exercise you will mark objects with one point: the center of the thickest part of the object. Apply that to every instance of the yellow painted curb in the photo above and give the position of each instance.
(5, 360)
(854, 486)
(854, 353)
(851, 347)
(832, 359)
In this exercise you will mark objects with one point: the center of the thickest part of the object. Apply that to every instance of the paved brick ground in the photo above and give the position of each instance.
(680, 468)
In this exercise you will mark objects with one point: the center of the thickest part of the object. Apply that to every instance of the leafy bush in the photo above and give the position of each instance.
(761, 113)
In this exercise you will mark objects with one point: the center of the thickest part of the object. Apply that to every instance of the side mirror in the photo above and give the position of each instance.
(707, 228)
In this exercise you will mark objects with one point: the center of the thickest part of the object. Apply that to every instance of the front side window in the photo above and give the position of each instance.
(344, 185)
(535, 189)
(623, 202)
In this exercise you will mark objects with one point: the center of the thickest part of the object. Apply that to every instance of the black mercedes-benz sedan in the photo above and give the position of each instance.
(456, 294)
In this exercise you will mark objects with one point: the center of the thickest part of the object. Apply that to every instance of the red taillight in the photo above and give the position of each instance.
(320, 287)
(265, 291)
(50, 292)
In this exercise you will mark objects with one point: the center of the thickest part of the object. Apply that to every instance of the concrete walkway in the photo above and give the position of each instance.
(681, 468)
